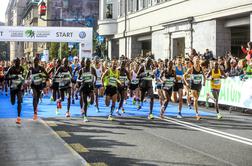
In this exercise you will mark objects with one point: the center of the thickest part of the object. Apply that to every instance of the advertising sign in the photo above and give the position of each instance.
(233, 92)
(45, 56)
(50, 34)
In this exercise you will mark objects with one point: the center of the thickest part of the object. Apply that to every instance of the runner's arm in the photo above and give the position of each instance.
(189, 71)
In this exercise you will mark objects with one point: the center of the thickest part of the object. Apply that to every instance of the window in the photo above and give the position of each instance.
(130, 5)
(109, 9)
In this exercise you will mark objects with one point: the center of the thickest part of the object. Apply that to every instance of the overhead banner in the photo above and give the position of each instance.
(234, 92)
(50, 34)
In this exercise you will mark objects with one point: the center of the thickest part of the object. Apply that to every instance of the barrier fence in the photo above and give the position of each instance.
(234, 92)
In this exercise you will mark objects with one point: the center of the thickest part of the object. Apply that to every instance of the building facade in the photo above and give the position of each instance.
(25, 13)
(13, 16)
(30, 18)
(170, 28)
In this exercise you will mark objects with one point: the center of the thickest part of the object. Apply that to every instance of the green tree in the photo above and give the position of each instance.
(54, 50)
(74, 52)
(64, 50)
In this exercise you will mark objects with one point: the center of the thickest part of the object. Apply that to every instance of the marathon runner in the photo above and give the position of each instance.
(145, 73)
(196, 82)
(65, 74)
(124, 78)
(178, 87)
(87, 75)
(38, 77)
(98, 83)
(110, 82)
(168, 77)
(16, 76)
(216, 74)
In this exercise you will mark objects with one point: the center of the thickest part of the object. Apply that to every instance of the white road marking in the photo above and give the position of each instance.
(210, 131)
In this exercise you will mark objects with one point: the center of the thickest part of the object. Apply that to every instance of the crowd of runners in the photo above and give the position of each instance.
(88, 79)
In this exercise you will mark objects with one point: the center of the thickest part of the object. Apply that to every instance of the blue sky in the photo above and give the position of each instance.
(3, 7)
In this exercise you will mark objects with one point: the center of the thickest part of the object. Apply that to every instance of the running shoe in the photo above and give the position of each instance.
(73, 102)
(97, 109)
(35, 117)
(207, 103)
(85, 119)
(18, 121)
(57, 111)
(51, 99)
(67, 114)
(179, 116)
(139, 107)
(117, 112)
(134, 102)
(190, 106)
(150, 116)
(198, 117)
(60, 105)
(219, 116)
(76, 97)
(123, 110)
(110, 118)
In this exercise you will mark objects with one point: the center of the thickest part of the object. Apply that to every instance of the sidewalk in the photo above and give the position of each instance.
(34, 144)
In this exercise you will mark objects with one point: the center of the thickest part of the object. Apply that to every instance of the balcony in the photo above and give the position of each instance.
(107, 27)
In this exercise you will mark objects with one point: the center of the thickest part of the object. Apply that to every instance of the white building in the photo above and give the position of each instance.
(169, 28)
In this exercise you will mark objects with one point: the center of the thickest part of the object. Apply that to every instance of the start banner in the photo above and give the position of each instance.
(50, 34)
(234, 92)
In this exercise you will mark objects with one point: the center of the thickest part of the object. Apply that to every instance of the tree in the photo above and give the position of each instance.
(54, 50)
(74, 52)
(64, 50)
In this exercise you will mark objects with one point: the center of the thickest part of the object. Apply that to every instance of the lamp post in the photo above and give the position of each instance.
(125, 24)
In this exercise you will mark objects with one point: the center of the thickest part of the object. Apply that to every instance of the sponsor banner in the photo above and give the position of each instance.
(234, 92)
(45, 56)
(51, 34)
(46, 34)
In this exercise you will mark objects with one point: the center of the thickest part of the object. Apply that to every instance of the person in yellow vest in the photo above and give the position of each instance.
(215, 74)
(110, 80)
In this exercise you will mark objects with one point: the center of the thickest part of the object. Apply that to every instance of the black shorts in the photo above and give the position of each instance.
(122, 88)
(149, 91)
(98, 86)
(14, 93)
(38, 87)
(196, 87)
(87, 88)
(133, 86)
(55, 86)
(65, 87)
(158, 86)
(110, 91)
(169, 91)
(177, 86)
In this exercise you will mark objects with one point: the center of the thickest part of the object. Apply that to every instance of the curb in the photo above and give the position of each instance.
(83, 161)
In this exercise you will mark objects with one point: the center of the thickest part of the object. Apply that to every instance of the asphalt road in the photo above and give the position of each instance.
(139, 141)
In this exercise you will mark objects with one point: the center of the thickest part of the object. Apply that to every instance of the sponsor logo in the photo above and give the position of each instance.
(30, 33)
(64, 34)
(82, 34)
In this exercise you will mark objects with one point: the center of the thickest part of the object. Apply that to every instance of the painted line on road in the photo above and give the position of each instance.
(63, 134)
(209, 131)
(98, 164)
(79, 148)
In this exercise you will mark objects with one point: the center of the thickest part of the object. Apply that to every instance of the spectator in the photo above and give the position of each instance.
(234, 70)
(221, 63)
(193, 54)
(247, 51)
(208, 55)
